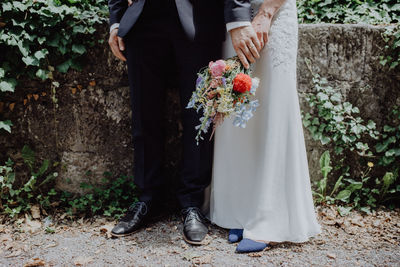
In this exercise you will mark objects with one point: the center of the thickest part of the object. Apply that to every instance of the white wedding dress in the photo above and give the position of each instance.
(260, 176)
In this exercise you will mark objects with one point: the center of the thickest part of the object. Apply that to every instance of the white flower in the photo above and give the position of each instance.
(255, 82)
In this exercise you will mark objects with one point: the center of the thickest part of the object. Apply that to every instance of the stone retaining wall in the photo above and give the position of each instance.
(88, 130)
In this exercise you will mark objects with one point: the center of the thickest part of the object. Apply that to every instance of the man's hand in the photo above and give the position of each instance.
(246, 44)
(116, 44)
(261, 25)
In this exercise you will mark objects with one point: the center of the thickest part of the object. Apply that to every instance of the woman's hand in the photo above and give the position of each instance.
(130, 2)
(261, 25)
(246, 44)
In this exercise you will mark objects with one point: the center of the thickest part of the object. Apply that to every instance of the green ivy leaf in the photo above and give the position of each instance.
(8, 85)
(78, 49)
(79, 29)
(367, 210)
(41, 40)
(7, 6)
(54, 41)
(388, 129)
(30, 61)
(64, 67)
(20, 6)
(371, 125)
(42, 74)
(41, 54)
(6, 125)
(344, 211)
(325, 140)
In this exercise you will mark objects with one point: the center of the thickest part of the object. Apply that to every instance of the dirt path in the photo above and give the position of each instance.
(355, 240)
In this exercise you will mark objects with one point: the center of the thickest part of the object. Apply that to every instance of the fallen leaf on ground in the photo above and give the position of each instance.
(52, 245)
(173, 251)
(31, 225)
(5, 238)
(189, 256)
(81, 260)
(14, 254)
(11, 106)
(106, 229)
(331, 255)
(35, 211)
(207, 248)
(207, 259)
(357, 222)
(255, 254)
(35, 262)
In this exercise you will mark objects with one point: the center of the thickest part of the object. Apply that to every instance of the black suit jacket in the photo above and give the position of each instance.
(201, 19)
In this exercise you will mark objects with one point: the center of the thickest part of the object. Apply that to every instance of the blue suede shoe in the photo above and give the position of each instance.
(235, 235)
(248, 245)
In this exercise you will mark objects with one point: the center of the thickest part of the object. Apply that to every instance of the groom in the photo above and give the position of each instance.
(164, 40)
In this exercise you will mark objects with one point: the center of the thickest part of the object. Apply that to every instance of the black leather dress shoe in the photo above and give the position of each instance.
(134, 219)
(194, 226)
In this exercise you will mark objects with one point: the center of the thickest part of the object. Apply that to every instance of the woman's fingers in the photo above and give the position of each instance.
(243, 58)
(260, 39)
(257, 44)
(130, 2)
(246, 51)
(254, 48)
(265, 37)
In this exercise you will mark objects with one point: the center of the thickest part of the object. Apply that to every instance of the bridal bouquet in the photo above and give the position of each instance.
(224, 89)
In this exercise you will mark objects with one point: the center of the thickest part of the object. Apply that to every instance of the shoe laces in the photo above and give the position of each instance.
(140, 207)
(193, 213)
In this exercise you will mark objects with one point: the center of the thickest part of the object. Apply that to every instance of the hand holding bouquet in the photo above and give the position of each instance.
(223, 89)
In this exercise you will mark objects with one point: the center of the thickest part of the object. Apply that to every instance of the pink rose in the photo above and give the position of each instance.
(217, 68)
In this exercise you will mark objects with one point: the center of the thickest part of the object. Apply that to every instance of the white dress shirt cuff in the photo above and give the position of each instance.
(237, 24)
(114, 26)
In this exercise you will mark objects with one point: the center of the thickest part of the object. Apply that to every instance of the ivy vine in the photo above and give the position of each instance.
(43, 36)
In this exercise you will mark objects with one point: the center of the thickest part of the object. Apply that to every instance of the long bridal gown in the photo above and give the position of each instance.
(260, 176)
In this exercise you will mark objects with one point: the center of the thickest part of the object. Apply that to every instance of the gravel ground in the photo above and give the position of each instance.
(354, 240)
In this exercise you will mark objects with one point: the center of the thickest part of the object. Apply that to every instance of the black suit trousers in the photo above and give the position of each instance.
(155, 46)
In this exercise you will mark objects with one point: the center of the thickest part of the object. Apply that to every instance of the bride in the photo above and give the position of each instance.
(261, 188)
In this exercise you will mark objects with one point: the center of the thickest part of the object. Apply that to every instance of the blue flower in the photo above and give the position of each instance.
(243, 114)
(199, 81)
(191, 103)
(223, 79)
